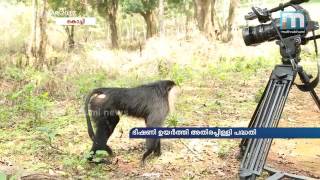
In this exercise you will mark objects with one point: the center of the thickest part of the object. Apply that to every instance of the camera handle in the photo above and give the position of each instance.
(264, 13)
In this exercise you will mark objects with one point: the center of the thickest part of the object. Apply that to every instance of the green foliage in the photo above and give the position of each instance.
(73, 162)
(101, 7)
(26, 100)
(308, 55)
(88, 155)
(88, 81)
(2, 175)
(14, 177)
(213, 105)
(99, 156)
(13, 73)
(180, 6)
(220, 94)
(27, 74)
(30, 145)
(49, 133)
(246, 67)
(180, 73)
(225, 147)
(63, 6)
(175, 72)
(97, 172)
(173, 120)
(163, 68)
(258, 95)
(79, 164)
(138, 6)
(5, 115)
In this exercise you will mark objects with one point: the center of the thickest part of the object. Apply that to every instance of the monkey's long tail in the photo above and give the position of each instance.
(86, 110)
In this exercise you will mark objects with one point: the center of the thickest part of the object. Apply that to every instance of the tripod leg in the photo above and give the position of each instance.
(307, 86)
(267, 114)
(259, 111)
(244, 142)
(315, 97)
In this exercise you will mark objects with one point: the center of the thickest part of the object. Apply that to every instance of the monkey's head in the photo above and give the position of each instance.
(173, 91)
(168, 84)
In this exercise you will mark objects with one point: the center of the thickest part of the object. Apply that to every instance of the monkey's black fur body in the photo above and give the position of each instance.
(149, 101)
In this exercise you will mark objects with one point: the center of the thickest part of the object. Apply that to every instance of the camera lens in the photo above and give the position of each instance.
(253, 35)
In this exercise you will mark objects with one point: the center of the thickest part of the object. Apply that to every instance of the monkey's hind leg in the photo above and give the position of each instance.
(105, 126)
(112, 122)
(100, 140)
(100, 135)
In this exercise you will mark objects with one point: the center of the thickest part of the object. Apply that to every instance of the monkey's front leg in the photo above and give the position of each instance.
(152, 146)
(157, 151)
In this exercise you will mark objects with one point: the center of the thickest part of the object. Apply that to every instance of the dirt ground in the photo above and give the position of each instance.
(186, 158)
(300, 156)
(199, 158)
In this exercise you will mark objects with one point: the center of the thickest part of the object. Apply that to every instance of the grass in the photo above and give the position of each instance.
(45, 107)
(225, 147)
(173, 120)
(47, 133)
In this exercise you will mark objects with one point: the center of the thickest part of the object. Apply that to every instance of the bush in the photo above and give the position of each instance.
(26, 100)
(246, 67)
(88, 81)
(180, 73)
(258, 95)
(225, 148)
(173, 120)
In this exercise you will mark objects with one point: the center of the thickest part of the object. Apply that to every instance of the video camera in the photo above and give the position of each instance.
(278, 28)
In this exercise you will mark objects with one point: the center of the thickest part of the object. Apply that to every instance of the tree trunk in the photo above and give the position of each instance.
(70, 34)
(114, 31)
(195, 12)
(187, 11)
(86, 28)
(203, 16)
(32, 47)
(213, 12)
(161, 11)
(43, 36)
(112, 17)
(151, 22)
(233, 5)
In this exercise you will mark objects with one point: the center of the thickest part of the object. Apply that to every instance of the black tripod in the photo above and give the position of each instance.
(270, 107)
